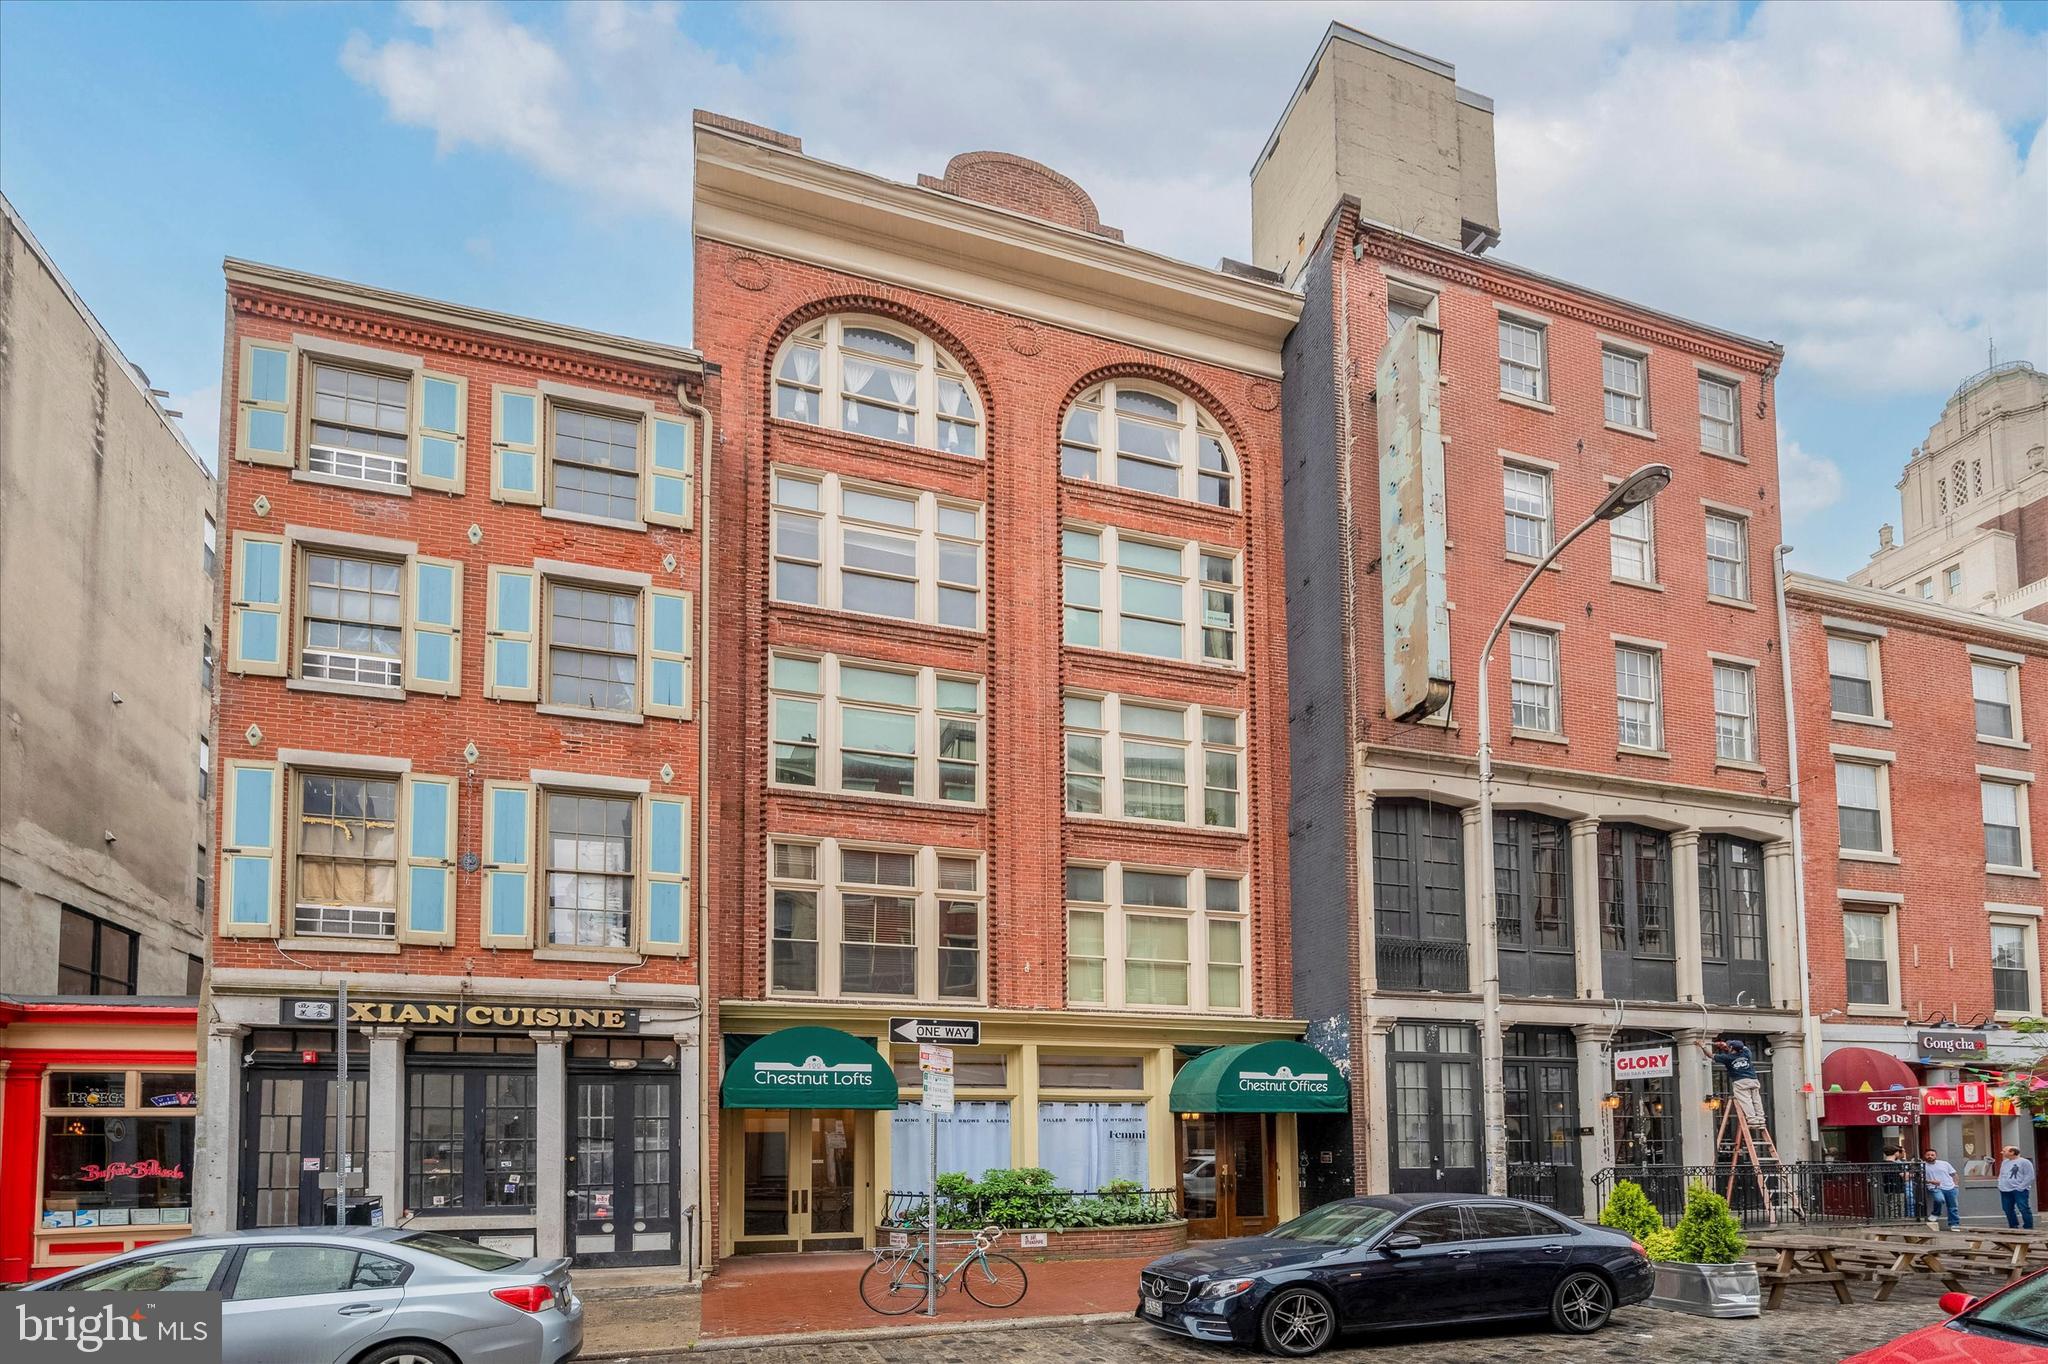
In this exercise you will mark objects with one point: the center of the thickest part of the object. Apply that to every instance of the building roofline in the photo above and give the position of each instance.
(128, 367)
(1339, 31)
(438, 312)
(1871, 599)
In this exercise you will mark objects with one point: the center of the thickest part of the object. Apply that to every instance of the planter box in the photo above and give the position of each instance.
(1078, 1243)
(1708, 1290)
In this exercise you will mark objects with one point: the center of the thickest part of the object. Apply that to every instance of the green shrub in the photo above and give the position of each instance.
(1630, 1210)
(1661, 1244)
(1708, 1234)
(1030, 1197)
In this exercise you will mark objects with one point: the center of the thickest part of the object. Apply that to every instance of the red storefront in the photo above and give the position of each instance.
(97, 1106)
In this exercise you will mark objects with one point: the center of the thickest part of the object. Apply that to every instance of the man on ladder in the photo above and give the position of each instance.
(1752, 1140)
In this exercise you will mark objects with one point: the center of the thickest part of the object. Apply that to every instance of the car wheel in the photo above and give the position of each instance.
(1582, 1304)
(406, 1352)
(1297, 1321)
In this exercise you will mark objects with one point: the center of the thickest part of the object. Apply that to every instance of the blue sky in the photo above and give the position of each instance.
(1865, 184)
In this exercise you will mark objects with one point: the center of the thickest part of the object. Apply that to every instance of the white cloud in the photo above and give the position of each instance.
(1808, 484)
(200, 421)
(1840, 178)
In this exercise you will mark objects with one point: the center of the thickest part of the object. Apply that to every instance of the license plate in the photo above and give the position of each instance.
(1154, 1307)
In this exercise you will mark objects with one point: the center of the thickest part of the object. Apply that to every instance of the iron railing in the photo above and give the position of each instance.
(1421, 964)
(1050, 1209)
(1554, 1186)
(1814, 1191)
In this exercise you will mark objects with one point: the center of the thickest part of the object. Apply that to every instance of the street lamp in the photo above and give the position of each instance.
(1632, 492)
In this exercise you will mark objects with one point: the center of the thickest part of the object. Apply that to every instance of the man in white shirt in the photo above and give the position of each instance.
(2016, 1189)
(1942, 1194)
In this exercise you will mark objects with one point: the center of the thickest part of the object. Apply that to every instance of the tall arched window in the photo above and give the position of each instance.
(1148, 439)
(874, 378)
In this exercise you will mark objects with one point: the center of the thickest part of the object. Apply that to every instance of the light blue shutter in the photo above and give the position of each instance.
(666, 929)
(433, 659)
(515, 446)
(668, 653)
(429, 860)
(444, 412)
(509, 672)
(256, 626)
(669, 474)
(263, 434)
(249, 855)
(508, 830)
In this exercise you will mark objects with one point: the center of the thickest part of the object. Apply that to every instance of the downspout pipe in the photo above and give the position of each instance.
(707, 624)
(1808, 1024)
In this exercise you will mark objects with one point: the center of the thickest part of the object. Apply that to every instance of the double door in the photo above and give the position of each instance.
(1227, 1176)
(290, 1141)
(1435, 1101)
(622, 1170)
(800, 1188)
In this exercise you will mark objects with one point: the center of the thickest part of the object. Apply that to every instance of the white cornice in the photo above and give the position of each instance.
(782, 203)
(1854, 599)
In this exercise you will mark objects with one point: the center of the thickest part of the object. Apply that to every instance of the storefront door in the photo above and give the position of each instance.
(1435, 1102)
(289, 1142)
(1227, 1174)
(1541, 1105)
(622, 1170)
(799, 1180)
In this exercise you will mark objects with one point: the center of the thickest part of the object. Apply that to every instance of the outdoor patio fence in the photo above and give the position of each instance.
(1810, 1192)
(1053, 1209)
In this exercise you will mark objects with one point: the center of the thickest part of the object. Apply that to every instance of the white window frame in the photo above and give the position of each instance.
(1640, 396)
(1952, 582)
(1109, 571)
(2027, 919)
(1510, 515)
(1538, 371)
(831, 703)
(1873, 674)
(1655, 701)
(394, 557)
(1194, 744)
(1115, 936)
(1193, 427)
(2007, 668)
(933, 364)
(1886, 910)
(831, 888)
(1881, 764)
(1738, 564)
(1412, 299)
(340, 767)
(2020, 784)
(1640, 549)
(1718, 435)
(551, 408)
(832, 524)
(400, 467)
(1742, 676)
(1552, 701)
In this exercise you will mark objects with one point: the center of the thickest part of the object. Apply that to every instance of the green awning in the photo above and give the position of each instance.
(809, 1068)
(1261, 1077)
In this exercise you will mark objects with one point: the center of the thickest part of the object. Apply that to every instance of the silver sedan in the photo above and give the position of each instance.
(358, 1295)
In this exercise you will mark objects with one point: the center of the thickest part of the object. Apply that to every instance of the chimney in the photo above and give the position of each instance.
(1389, 127)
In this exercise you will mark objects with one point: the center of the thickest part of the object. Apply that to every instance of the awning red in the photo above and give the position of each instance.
(1867, 1088)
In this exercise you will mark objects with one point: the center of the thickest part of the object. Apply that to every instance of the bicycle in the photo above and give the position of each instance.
(895, 1283)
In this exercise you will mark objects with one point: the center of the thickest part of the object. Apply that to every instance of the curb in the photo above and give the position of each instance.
(936, 1328)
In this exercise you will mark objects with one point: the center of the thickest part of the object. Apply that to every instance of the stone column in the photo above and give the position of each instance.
(1596, 1081)
(385, 1158)
(550, 1144)
(1476, 946)
(1375, 1132)
(1586, 908)
(1024, 1122)
(1788, 1075)
(1685, 913)
(216, 1176)
(1696, 1126)
(1367, 966)
(1781, 920)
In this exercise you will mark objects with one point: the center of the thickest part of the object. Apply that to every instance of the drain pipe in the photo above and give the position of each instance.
(1809, 1026)
(706, 623)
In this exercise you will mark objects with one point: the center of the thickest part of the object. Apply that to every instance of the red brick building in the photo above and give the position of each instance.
(1923, 888)
(460, 770)
(1001, 690)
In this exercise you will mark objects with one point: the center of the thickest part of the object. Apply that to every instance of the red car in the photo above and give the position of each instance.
(2009, 1327)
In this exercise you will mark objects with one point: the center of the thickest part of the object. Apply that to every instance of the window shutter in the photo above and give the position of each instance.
(444, 421)
(263, 431)
(664, 930)
(671, 472)
(256, 625)
(508, 879)
(433, 646)
(515, 445)
(508, 648)
(427, 906)
(249, 853)
(668, 653)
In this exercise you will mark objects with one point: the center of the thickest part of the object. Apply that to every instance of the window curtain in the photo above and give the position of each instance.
(973, 1139)
(853, 378)
(1086, 1145)
(903, 388)
(802, 366)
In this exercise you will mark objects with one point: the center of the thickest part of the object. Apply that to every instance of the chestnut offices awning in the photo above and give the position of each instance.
(808, 1067)
(1261, 1077)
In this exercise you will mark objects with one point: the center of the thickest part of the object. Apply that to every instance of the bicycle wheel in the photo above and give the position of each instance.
(893, 1286)
(994, 1280)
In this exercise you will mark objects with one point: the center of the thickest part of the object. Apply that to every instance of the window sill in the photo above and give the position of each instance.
(1150, 664)
(385, 947)
(578, 713)
(607, 955)
(1157, 825)
(960, 634)
(1733, 457)
(1531, 560)
(1140, 500)
(783, 788)
(1859, 855)
(2022, 873)
(1631, 751)
(353, 485)
(1639, 432)
(2003, 743)
(1871, 1011)
(863, 444)
(1874, 721)
(1636, 583)
(1538, 736)
(1737, 765)
(584, 519)
(1522, 400)
(1735, 602)
(361, 689)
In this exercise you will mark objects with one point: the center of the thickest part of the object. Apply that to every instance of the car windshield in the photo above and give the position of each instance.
(1336, 1224)
(2020, 1311)
(461, 1251)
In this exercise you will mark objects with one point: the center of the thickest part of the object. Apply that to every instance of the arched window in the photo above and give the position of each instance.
(1148, 439)
(874, 378)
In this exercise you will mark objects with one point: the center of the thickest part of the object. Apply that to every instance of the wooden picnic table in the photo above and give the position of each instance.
(2006, 1250)
(1789, 1260)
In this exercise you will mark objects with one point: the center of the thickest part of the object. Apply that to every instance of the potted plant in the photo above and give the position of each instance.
(1702, 1263)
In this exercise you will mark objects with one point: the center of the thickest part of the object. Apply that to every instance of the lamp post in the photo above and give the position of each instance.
(1638, 488)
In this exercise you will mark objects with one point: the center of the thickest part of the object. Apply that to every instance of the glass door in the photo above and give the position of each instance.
(622, 1171)
(800, 1185)
(289, 1142)
(766, 1206)
(829, 1213)
(1227, 1179)
(1435, 1101)
(1250, 1188)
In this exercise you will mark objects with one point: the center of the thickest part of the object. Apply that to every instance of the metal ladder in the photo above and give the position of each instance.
(1755, 1144)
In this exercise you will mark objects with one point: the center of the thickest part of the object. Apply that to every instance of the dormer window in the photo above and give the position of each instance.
(869, 378)
(1150, 441)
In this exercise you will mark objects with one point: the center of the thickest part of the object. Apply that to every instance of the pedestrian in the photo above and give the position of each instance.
(1748, 1092)
(1897, 1156)
(1942, 1194)
(2016, 1189)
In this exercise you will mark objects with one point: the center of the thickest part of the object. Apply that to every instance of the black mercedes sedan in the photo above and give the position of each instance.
(1395, 1261)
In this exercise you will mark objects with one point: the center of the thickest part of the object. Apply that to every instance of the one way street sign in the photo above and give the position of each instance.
(955, 1032)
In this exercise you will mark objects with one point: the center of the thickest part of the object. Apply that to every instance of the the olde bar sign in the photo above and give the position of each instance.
(467, 1016)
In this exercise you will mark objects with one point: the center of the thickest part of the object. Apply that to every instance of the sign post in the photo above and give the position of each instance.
(935, 1072)
(343, 1163)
